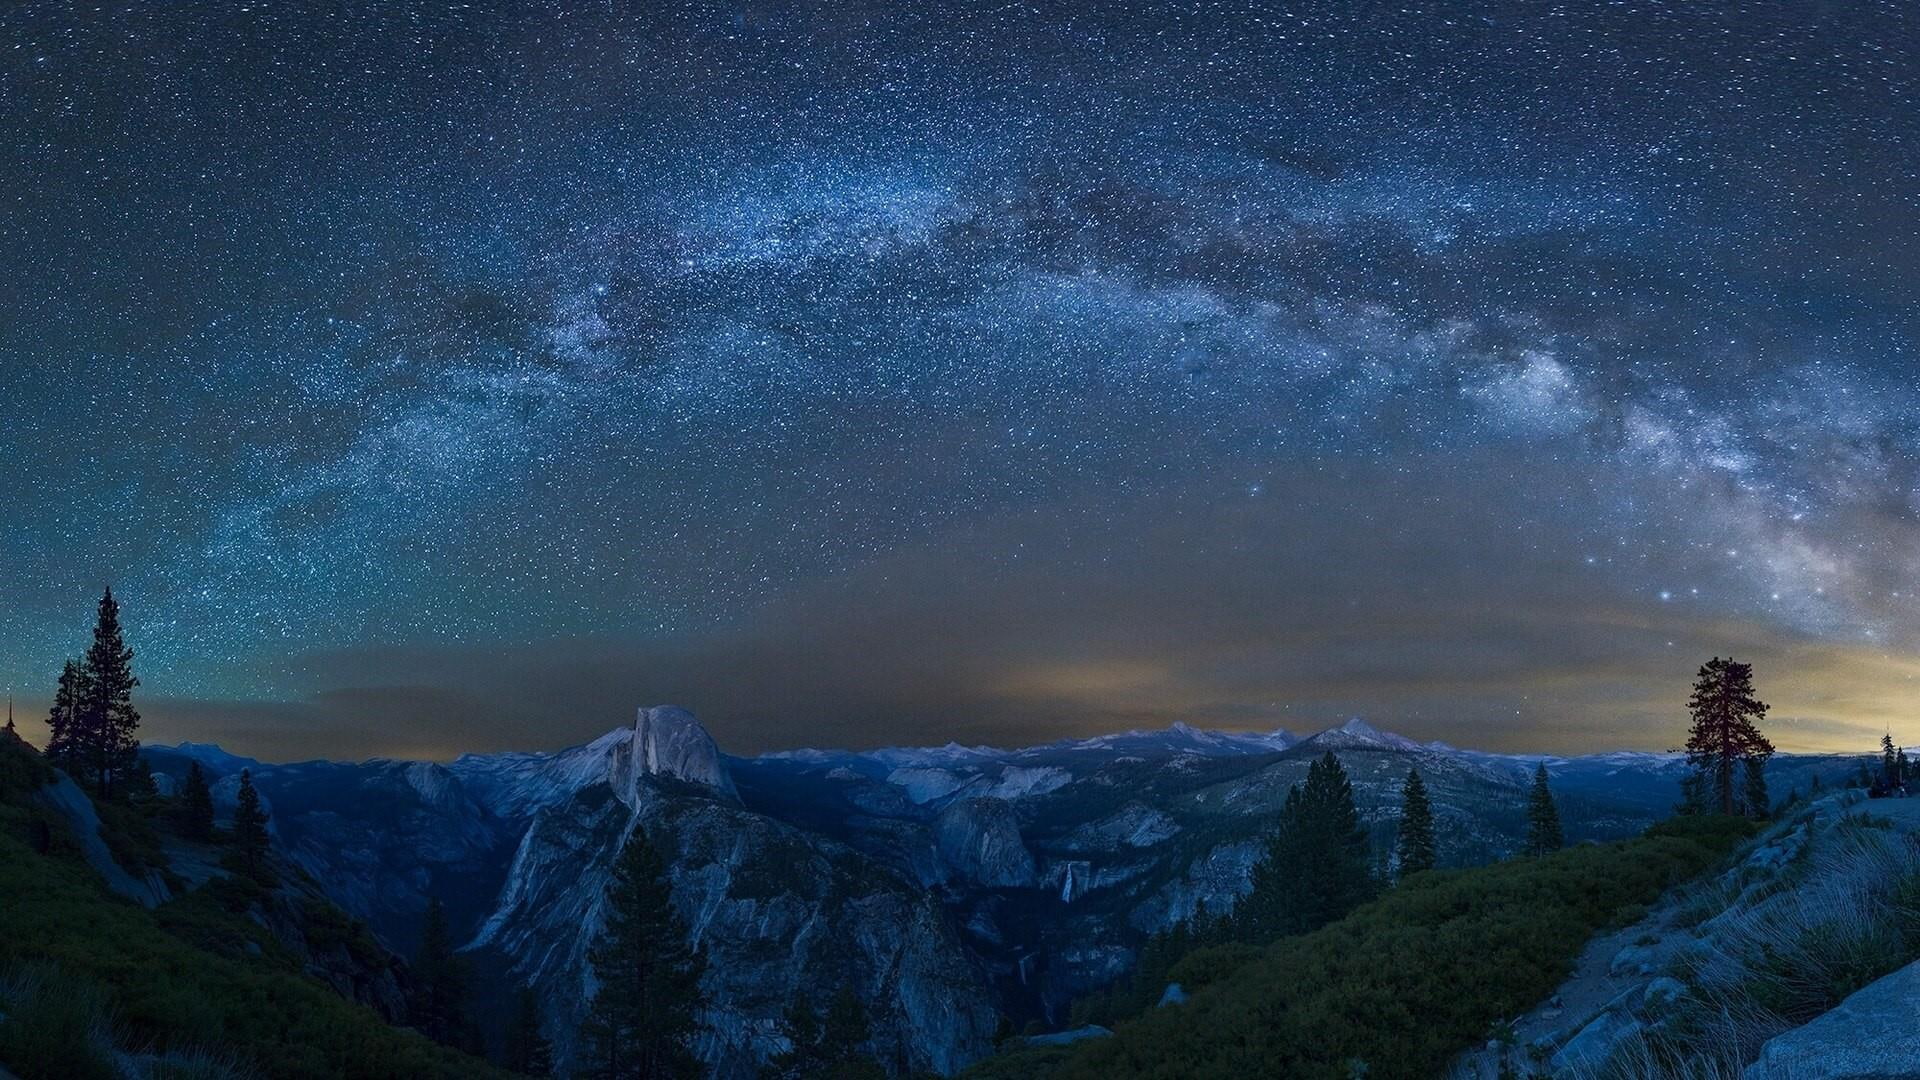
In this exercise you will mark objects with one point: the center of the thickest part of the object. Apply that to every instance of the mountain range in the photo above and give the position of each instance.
(953, 889)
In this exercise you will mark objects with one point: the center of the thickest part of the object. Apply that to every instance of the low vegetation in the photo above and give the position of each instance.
(1783, 947)
(1404, 982)
(88, 979)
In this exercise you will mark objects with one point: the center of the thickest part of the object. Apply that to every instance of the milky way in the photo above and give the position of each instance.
(450, 376)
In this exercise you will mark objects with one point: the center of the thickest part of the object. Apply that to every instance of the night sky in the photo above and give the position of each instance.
(442, 377)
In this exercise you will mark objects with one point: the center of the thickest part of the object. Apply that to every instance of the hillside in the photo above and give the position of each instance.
(1402, 984)
(223, 976)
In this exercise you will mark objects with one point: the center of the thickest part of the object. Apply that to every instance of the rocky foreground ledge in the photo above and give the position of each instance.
(1813, 892)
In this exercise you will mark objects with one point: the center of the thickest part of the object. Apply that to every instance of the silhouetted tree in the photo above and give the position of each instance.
(1900, 767)
(136, 784)
(1416, 826)
(528, 1051)
(1543, 817)
(1315, 869)
(1758, 805)
(63, 721)
(104, 714)
(829, 1048)
(196, 804)
(440, 982)
(250, 827)
(1725, 711)
(645, 1012)
(1693, 794)
(802, 1057)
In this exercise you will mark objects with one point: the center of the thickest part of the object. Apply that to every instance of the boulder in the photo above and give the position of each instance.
(1634, 960)
(65, 798)
(1663, 992)
(1869, 1036)
(1595, 1043)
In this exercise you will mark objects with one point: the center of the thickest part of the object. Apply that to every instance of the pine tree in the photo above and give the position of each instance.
(106, 718)
(645, 1012)
(843, 1035)
(196, 804)
(528, 1052)
(1543, 817)
(1757, 804)
(440, 982)
(250, 827)
(136, 784)
(1889, 764)
(1315, 870)
(1724, 733)
(802, 1057)
(63, 728)
(1416, 826)
(1900, 767)
(829, 1049)
(1693, 794)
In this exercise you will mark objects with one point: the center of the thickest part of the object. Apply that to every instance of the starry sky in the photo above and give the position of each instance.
(430, 377)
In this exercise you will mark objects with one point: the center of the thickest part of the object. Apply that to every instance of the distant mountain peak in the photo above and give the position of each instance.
(1357, 733)
(668, 741)
(209, 755)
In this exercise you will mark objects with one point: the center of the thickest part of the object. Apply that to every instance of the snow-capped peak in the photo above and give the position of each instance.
(1357, 733)
(210, 755)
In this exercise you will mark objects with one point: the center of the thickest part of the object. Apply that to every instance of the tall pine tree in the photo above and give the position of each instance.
(830, 1048)
(1889, 763)
(250, 827)
(196, 804)
(1543, 817)
(105, 713)
(1724, 734)
(440, 982)
(1416, 848)
(646, 1010)
(528, 1052)
(63, 721)
(1315, 869)
(1758, 805)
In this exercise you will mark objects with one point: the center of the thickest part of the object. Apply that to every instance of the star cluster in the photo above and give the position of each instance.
(440, 376)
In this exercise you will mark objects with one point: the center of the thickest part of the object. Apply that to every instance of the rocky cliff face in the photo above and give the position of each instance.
(979, 842)
(777, 911)
(520, 848)
(670, 742)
